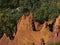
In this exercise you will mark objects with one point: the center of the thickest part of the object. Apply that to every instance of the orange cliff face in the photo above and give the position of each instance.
(56, 31)
(38, 26)
(26, 35)
(4, 40)
(25, 22)
(57, 25)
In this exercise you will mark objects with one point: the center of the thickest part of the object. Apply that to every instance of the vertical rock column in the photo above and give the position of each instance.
(25, 23)
(56, 28)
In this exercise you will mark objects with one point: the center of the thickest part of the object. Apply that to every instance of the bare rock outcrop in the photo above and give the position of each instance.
(56, 31)
(26, 22)
(26, 35)
(38, 26)
(4, 40)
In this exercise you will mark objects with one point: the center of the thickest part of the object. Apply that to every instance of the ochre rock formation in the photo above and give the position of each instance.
(38, 26)
(56, 31)
(25, 22)
(4, 40)
(26, 35)
(45, 32)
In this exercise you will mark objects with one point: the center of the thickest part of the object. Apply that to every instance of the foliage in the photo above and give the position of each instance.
(8, 22)
(57, 43)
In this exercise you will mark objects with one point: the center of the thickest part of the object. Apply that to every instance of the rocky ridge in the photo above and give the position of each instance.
(30, 32)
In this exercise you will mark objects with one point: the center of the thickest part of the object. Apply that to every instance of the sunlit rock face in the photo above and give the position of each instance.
(56, 31)
(57, 23)
(45, 32)
(38, 26)
(4, 40)
(26, 22)
(26, 35)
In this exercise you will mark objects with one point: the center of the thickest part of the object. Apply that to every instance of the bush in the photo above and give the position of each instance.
(56, 43)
